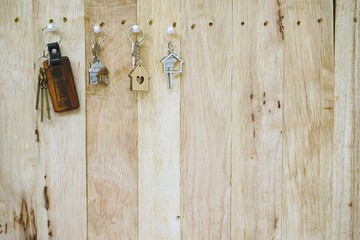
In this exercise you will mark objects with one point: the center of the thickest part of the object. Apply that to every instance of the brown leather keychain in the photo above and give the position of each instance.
(60, 80)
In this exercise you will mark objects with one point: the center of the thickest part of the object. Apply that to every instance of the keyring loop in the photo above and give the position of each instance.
(101, 30)
(172, 33)
(44, 56)
(50, 29)
(132, 29)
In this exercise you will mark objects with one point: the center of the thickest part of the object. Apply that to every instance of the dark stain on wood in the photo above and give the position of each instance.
(280, 20)
(15, 219)
(48, 223)
(50, 234)
(275, 223)
(37, 135)
(33, 224)
(5, 228)
(46, 198)
(24, 215)
(251, 96)
(252, 117)
(350, 204)
(279, 105)
(264, 102)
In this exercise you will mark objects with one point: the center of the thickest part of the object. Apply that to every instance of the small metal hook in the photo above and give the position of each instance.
(136, 29)
(50, 28)
(170, 35)
(96, 30)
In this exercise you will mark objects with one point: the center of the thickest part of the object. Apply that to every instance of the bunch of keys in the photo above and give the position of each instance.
(42, 89)
(97, 72)
(172, 62)
(139, 77)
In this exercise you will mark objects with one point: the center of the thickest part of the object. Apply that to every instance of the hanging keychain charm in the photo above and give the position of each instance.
(172, 62)
(139, 77)
(60, 80)
(97, 72)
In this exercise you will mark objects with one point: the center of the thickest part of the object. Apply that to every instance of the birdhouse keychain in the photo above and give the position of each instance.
(97, 72)
(57, 74)
(139, 77)
(172, 62)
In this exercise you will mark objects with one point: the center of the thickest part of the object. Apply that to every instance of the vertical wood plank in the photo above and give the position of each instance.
(18, 161)
(257, 120)
(346, 195)
(62, 139)
(158, 127)
(112, 127)
(206, 30)
(308, 119)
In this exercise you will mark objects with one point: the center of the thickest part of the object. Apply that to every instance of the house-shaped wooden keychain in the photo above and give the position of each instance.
(172, 64)
(139, 79)
(98, 72)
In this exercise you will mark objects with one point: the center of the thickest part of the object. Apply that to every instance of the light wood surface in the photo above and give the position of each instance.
(308, 120)
(18, 146)
(112, 127)
(206, 119)
(62, 147)
(158, 127)
(257, 139)
(257, 83)
(346, 177)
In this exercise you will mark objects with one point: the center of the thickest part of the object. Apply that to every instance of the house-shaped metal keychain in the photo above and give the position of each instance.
(98, 72)
(172, 64)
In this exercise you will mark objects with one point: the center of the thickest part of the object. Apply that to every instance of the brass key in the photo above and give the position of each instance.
(45, 85)
(42, 99)
(38, 90)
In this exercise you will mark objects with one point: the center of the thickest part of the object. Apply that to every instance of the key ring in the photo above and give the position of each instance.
(136, 29)
(50, 28)
(97, 30)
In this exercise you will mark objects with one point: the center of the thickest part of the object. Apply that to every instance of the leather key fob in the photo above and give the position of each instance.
(60, 81)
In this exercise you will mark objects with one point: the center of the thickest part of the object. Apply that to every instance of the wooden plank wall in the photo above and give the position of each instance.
(257, 120)
(346, 165)
(62, 147)
(111, 127)
(158, 127)
(206, 119)
(18, 148)
(308, 120)
(257, 139)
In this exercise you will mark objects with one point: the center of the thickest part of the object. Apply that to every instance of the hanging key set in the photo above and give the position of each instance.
(97, 72)
(172, 62)
(55, 75)
(139, 77)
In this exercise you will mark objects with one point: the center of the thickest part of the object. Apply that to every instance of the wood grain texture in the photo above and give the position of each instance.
(346, 165)
(158, 127)
(112, 127)
(62, 160)
(206, 119)
(308, 120)
(256, 120)
(18, 161)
